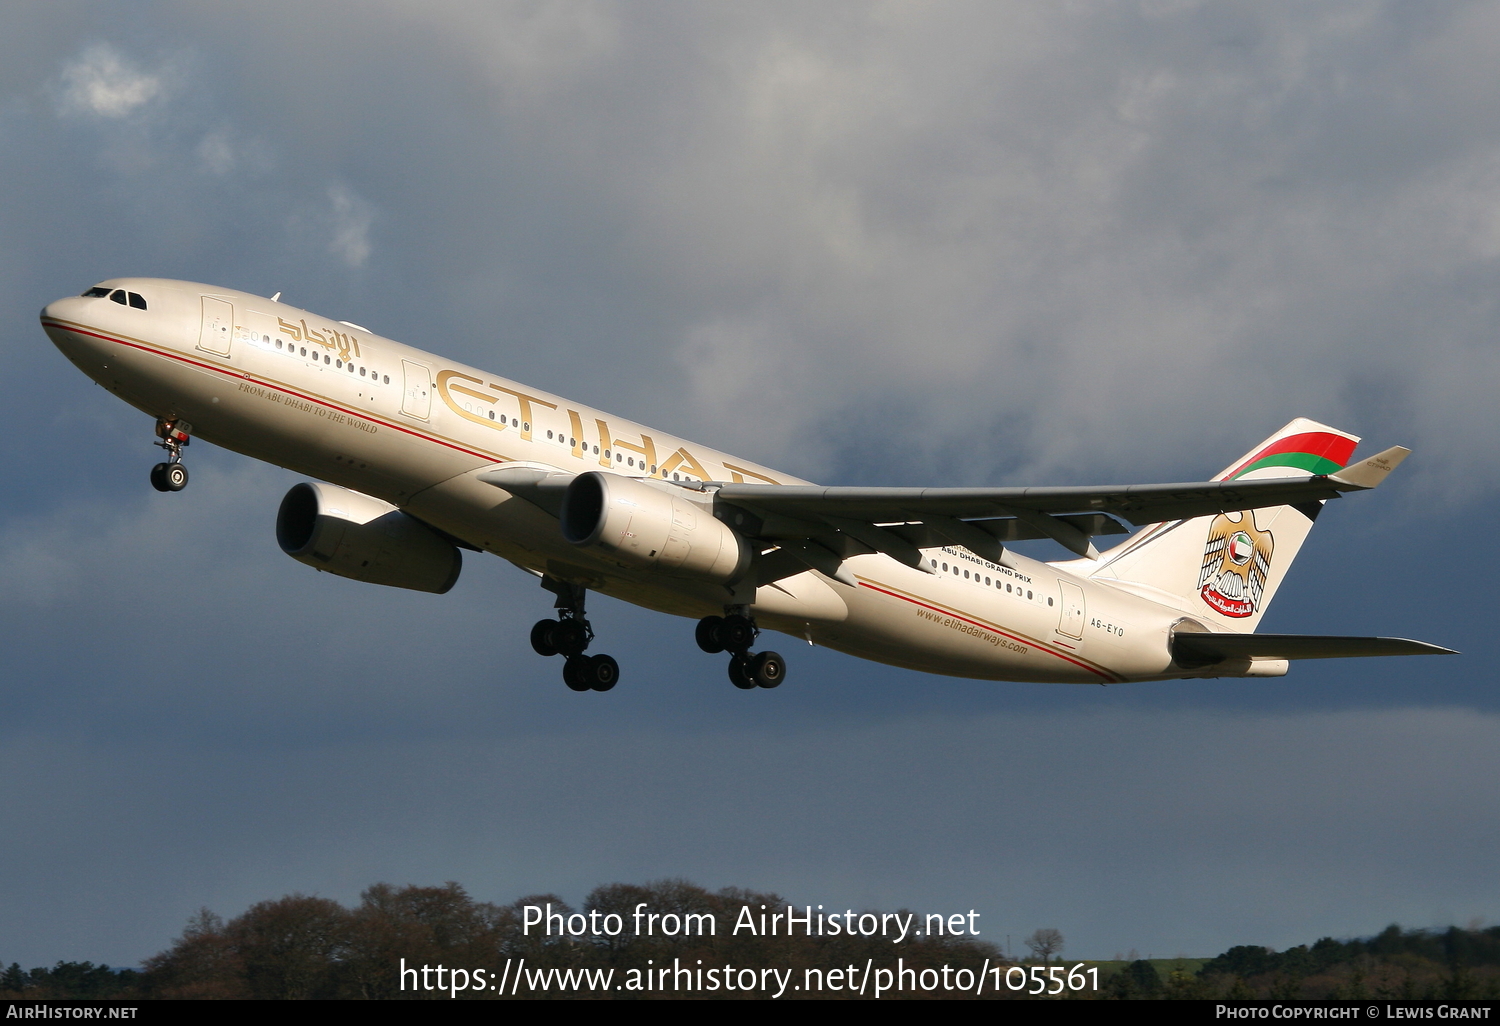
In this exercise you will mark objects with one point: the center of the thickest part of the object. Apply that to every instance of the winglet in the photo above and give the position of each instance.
(1370, 472)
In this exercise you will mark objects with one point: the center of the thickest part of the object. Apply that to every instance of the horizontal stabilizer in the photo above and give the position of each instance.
(1203, 649)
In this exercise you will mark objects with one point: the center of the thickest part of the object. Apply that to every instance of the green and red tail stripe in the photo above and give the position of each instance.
(1317, 452)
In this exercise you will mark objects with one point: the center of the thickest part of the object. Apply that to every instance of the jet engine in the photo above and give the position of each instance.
(650, 526)
(364, 539)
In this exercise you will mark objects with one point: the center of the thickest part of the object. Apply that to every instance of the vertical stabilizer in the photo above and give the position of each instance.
(1224, 570)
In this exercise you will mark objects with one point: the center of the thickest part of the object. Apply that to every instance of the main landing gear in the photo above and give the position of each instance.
(568, 636)
(171, 476)
(735, 634)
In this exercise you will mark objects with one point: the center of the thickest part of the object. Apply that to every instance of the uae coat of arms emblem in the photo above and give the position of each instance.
(1236, 560)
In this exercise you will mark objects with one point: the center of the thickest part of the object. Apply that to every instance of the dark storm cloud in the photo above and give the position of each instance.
(864, 242)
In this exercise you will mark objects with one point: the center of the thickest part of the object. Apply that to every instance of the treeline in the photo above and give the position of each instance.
(1452, 964)
(308, 947)
(68, 980)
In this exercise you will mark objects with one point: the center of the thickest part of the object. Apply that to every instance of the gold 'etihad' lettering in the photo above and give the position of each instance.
(527, 420)
(345, 344)
(576, 440)
(647, 449)
(738, 475)
(684, 460)
(451, 382)
(444, 386)
(604, 460)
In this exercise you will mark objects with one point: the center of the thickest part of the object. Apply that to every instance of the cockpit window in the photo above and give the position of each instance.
(134, 300)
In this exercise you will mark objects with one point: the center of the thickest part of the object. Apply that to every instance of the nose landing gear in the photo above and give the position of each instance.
(735, 633)
(171, 476)
(568, 636)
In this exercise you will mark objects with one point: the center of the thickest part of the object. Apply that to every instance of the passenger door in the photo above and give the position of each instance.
(1070, 620)
(416, 399)
(216, 331)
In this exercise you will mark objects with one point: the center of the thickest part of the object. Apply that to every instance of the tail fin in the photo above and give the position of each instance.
(1224, 570)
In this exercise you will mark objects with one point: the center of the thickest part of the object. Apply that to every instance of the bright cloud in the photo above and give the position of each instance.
(351, 218)
(101, 82)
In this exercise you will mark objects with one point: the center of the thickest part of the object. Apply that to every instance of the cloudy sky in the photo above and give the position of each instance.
(884, 243)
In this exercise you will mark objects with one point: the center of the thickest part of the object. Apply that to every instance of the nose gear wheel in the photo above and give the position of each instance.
(171, 476)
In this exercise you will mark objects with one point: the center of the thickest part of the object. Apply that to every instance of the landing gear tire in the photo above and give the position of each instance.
(541, 637)
(171, 476)
(739, 674)
(570, 637)
(710, 634)
(577, 673)
(591, 673)
(603, 672)
(767, 669)
(737, 633)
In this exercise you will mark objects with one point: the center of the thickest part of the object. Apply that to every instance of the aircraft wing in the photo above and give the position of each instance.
(899, 520)
(1205, 648)
(1139, 504)
(819, 527)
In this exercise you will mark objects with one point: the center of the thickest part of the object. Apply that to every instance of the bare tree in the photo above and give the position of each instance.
(1045, 943)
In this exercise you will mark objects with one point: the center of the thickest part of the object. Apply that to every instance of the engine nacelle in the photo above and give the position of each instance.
(364, 539)
(644, 525)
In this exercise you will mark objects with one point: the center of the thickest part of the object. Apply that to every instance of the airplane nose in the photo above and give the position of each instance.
(57, 319)
(58, 308)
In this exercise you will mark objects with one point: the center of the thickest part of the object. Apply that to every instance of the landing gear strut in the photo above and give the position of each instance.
(568, 636)
(171, 476)
(735, 633)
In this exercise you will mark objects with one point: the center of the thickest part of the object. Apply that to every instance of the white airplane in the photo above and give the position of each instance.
(417, 458)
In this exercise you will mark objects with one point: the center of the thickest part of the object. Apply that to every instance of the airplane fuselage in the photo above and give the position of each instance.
(338, 403)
